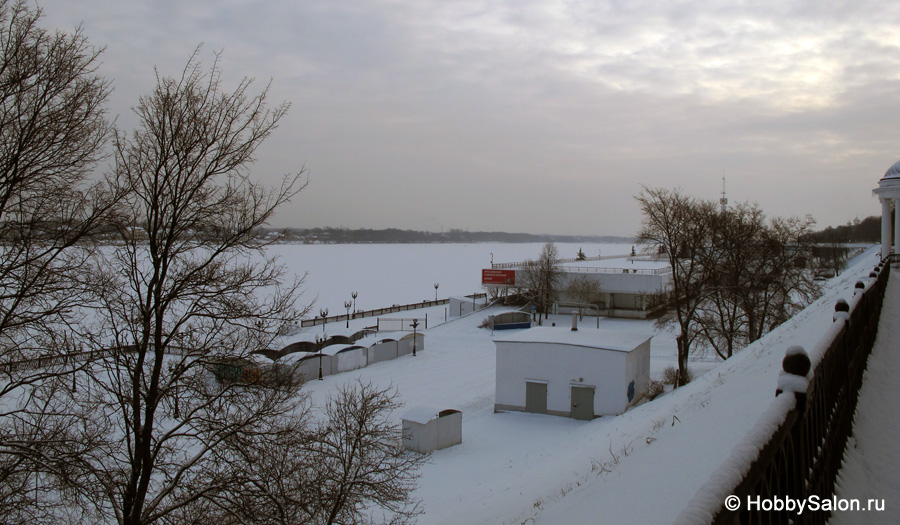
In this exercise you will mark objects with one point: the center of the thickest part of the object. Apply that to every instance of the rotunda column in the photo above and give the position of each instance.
(885, 227)
(896, 226)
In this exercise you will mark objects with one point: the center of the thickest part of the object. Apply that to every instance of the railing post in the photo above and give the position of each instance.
(795, 367)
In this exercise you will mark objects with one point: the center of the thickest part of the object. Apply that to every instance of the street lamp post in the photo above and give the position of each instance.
(323, 313)
(435, 291)
(353, 295)
(320, 342)
(347, 305)
(415, 325)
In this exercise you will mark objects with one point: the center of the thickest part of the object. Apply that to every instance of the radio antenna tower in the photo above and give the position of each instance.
(724, 200)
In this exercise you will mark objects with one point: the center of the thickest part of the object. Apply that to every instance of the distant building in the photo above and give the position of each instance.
(580, 374)
(627, 284)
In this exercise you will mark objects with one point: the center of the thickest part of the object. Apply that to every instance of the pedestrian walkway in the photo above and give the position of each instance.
(871, 464)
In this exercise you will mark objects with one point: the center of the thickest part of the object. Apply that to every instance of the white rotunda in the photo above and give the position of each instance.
(888, 192)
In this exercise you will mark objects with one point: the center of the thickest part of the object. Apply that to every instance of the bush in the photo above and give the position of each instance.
(669, 377)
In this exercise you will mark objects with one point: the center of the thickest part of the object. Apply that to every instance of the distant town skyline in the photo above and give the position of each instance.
(542, 117)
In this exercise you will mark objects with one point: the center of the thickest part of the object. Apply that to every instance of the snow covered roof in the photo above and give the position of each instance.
(422, 414)
(893, 172)
(889, 185)
(621, 341)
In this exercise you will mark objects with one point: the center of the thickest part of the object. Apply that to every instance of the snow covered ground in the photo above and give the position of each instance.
(641, 467)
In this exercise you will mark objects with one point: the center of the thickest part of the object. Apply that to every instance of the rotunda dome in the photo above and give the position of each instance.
(893, 172)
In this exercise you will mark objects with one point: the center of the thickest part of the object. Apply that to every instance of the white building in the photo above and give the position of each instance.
(580, 374)
(627, 284)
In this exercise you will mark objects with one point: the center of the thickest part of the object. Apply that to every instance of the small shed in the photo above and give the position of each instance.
(349, 357)
(426, 429)
(580, 374)
(307, 365)
(511, 320)
(406, 343)
(383, 350)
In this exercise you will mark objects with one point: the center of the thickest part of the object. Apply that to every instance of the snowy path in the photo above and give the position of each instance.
(871, 464)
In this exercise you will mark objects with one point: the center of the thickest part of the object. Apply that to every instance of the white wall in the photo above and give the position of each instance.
(562, 366)
(459, 306)
(619, 282)
(405, 344)
(638, 370)
(383, 351)
(350, 360)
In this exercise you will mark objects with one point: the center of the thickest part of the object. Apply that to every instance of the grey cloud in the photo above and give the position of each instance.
(536, 115)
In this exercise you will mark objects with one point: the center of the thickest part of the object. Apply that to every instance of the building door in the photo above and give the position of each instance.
(582, 403)
(536, 397)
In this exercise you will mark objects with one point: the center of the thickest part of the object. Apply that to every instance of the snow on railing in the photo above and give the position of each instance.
(795, 448)
(521, 264)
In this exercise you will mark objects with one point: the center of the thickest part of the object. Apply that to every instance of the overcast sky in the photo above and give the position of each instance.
(537, 116)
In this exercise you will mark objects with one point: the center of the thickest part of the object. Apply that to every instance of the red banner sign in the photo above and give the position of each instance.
(495, 277)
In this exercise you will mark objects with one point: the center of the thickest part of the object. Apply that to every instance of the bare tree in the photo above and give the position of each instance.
(542, 279)
(727, 262)
(186, 290)
(759, 275)
(678, 226)
(360, 461)
(781, 278)
(584, 291)
(735, 274)
(53, 129)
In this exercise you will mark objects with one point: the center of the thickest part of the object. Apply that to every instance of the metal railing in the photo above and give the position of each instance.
(510, 265)
(802, 457)
(587, 269)
(629, 271)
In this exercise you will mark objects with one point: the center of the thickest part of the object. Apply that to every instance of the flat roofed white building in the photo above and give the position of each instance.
(627, 284)
(581, 374)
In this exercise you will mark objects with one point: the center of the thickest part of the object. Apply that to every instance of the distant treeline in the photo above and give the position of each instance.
(866, 230)
(393, 235)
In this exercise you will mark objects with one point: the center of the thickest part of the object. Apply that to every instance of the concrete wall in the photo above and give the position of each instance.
(350, 359)
(460, 306)
(383, 351)
(309, 368)
(426, 430)
(405, 344)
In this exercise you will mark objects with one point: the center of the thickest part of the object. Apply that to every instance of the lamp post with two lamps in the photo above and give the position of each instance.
(323, 313)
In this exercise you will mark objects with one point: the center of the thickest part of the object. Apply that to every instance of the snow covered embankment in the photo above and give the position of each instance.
(696, 428)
